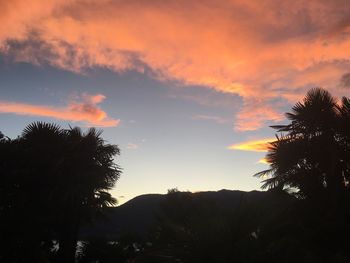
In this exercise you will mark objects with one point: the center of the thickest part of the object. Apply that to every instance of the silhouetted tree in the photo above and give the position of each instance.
(23, 222)
(89, 173)
(311, 158)
(311, 152)
(53, 181)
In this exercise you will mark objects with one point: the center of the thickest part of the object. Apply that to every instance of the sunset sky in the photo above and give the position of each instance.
(187, 89)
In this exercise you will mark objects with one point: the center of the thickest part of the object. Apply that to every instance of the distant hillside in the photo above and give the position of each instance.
(138, 215)
(134, 217)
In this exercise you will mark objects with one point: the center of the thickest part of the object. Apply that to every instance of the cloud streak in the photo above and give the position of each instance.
(132, 146)
(263, 161)
(259, 50)
(255, 145)
(85, 110)
(216, 119)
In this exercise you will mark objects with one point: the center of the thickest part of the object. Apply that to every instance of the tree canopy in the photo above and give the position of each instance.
(311, 153)
(59, 178)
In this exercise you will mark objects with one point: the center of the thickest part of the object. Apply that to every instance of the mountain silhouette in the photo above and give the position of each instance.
(137, 216)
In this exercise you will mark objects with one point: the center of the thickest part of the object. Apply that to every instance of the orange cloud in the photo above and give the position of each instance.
(263, 161)
(270, 50)
(253, 115)
(255, 146)
(85, 111)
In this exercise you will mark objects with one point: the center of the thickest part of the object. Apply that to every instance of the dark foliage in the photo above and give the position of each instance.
(52, 182)
(55, 181)
(310, 158)
(311, 153)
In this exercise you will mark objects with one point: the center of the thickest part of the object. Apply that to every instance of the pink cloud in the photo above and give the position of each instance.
(264, 50)
(132, 146)
(85, 110)
(254, 114)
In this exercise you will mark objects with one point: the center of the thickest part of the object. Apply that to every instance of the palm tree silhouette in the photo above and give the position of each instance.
(311, 152)
(74, 171)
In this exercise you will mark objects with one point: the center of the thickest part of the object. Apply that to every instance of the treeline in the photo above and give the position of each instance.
(53, 181)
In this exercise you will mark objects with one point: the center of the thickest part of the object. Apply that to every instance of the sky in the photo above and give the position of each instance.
(186, 89)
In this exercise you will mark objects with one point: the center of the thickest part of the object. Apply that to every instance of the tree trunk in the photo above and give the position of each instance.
(68, 243)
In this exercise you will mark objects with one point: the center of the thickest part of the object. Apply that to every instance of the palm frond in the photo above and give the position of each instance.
(42, 129)
(264, 173)
(273, 182)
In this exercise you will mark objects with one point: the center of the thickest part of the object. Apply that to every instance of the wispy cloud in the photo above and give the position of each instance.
(84, 110)
(253, 115)
(212, 118)
(132, 146)
(260, 145)
(269, 51)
